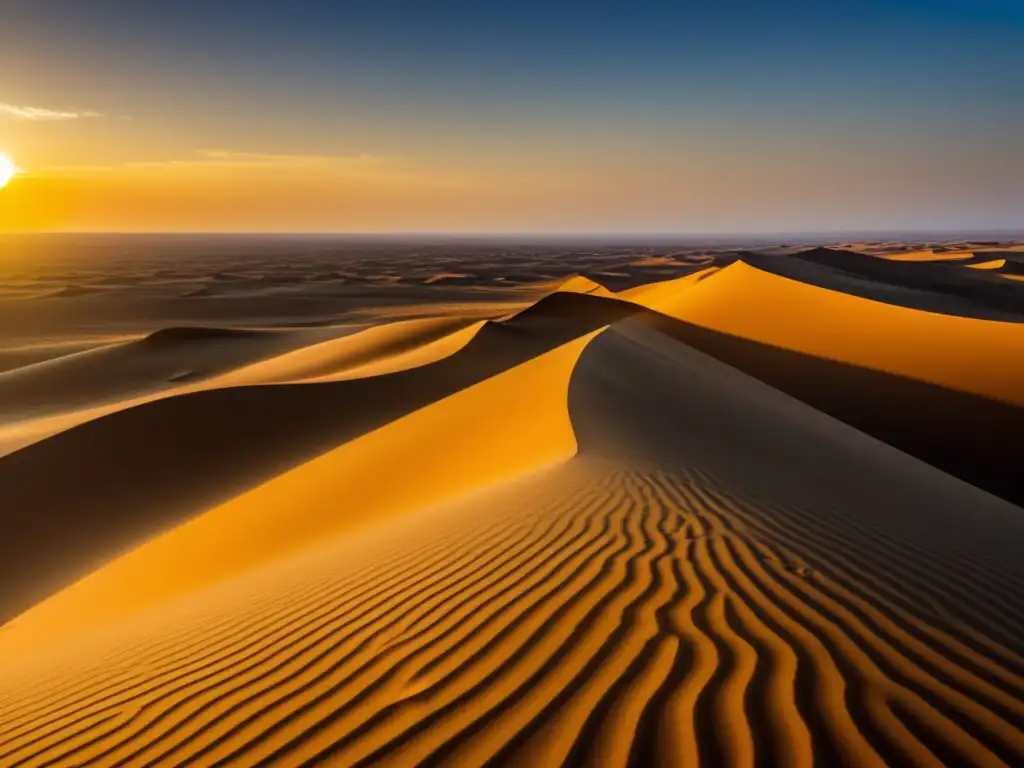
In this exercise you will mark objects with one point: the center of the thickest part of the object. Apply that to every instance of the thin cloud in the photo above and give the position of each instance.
(42, 114)
(269, 159)
(218, 158)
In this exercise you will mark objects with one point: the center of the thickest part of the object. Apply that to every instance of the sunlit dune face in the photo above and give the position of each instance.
(7, 170)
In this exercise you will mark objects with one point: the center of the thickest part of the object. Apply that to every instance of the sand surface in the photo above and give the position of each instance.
(673, 520)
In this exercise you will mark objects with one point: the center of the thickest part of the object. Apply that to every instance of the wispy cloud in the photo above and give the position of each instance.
(41, 114)
(369, 173)
(228, 157)
(221, 158)
(216, 159)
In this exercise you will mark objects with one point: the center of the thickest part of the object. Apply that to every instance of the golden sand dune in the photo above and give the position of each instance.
(581, 284)
(341, 489)
(956, 352)
(132, 472)
(929, 255)
(993, 264)
(381, 349)
(574, 540)
(666, 293)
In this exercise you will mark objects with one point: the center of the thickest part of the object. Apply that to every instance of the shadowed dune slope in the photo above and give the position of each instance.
(933, 287)
(22, 355)
(721, 576)
(41, 400)
(971, 437)
(162, 360)
(133, 473)
(1015, 267)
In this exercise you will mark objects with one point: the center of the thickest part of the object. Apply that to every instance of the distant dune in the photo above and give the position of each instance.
(929, 256)
(956, 352)
(993, 264)
(74, 291)
(762, 512)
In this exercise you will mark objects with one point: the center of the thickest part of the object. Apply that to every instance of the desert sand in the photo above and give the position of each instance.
(614, 507)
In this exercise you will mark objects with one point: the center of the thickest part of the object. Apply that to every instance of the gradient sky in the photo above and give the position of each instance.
(402, 115)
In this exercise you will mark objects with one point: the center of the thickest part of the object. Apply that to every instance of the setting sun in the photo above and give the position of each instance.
(7, 170)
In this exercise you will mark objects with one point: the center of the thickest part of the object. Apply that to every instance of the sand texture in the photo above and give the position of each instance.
(695, 519)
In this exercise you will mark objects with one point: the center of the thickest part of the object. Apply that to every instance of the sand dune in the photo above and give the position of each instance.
(43, 399)
(114, 372)
(37, 402)
(381, 349)
(652, 600)
(74, 291)
(929, 255)
(25, 354)
(562, 537)
(122, 486)
(932, 287)
(666, 294)
(993, 264)
(581, 284)
(960, 353)
(263, 524)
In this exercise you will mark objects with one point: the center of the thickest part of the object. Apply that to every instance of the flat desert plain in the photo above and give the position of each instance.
(306, 501)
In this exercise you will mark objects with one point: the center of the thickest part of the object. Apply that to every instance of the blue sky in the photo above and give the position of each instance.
(880, 93)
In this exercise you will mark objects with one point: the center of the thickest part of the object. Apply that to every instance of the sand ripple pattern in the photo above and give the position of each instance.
(604, 613)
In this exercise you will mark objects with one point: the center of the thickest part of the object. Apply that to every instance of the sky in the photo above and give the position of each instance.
(726, 117)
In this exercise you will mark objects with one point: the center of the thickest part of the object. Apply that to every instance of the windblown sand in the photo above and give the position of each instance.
(530, 529)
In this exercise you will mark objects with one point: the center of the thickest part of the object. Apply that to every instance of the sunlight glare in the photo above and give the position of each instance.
(7, 170)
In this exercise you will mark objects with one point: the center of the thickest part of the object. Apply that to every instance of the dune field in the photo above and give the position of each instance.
(290, 504)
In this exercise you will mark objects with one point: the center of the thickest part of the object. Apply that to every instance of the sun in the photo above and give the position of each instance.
(7, 170)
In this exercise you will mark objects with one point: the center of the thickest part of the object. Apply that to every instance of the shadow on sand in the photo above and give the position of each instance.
(973, 438)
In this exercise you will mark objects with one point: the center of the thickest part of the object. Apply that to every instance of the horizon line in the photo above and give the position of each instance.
(554, 235)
